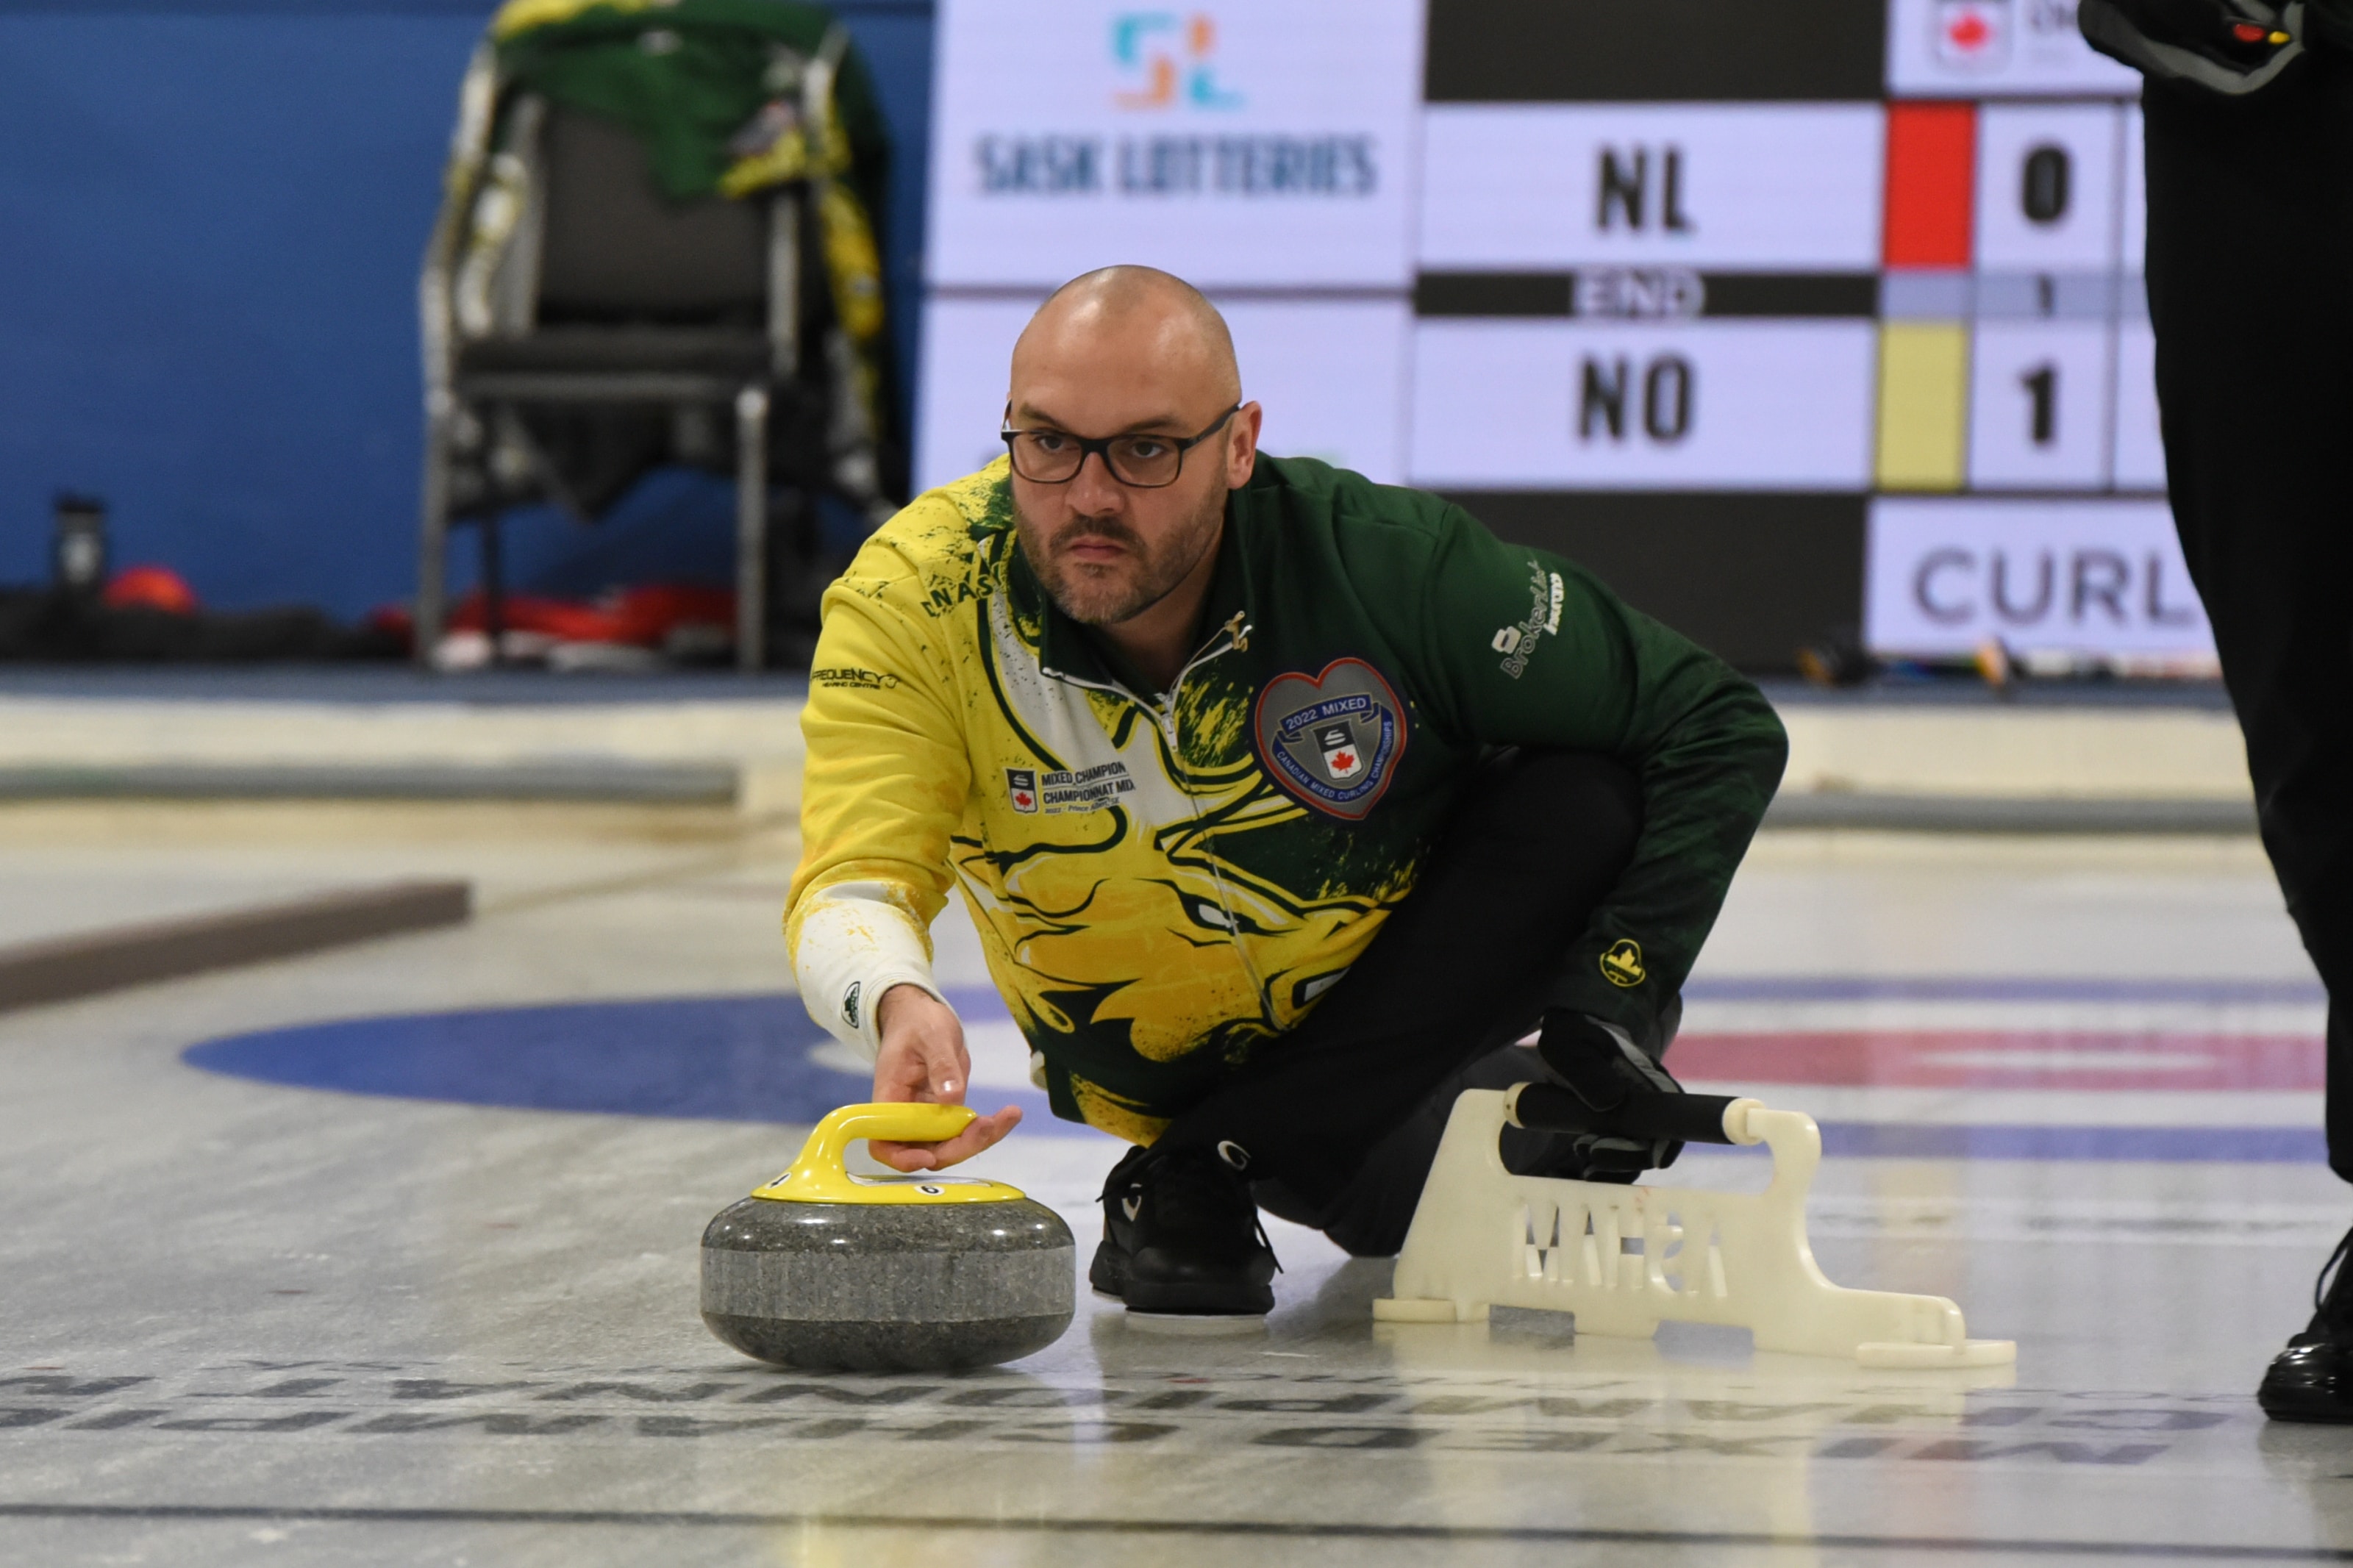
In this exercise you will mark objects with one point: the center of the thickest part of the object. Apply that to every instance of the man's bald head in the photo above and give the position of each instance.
(1129, 330)
(1127, 353)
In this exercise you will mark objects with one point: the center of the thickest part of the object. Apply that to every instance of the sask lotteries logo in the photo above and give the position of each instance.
(1332, 739)
(1169, 59)
(1973, 35)
(1169, 69)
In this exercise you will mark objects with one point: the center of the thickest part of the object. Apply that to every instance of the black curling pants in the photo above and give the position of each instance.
(2251, 290)
(1341, 1118)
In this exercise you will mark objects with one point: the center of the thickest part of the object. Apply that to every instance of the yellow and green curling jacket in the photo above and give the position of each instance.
(1164, 882)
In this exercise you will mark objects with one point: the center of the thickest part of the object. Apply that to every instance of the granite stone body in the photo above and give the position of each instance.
(888, 1287)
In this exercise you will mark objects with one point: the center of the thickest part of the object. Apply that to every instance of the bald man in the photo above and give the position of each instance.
(1285, 802)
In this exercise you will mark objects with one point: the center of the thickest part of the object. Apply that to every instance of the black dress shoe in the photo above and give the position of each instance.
(1181, 1235)
(2312, 1380)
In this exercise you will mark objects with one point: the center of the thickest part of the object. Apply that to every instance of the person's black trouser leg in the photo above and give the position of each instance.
(2251, 290)
(1463, 966)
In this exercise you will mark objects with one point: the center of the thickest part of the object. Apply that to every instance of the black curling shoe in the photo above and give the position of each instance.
(2312, 1380)
(1182, 1236)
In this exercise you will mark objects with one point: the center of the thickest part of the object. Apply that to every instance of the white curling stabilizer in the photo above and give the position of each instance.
(1625, 1258)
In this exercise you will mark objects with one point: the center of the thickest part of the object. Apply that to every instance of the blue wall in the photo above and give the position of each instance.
(211, 217)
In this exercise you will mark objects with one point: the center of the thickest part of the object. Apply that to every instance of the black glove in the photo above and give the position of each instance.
(2231, 47)
(1607, 1072)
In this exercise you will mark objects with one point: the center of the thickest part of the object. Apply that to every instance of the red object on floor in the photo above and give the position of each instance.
(150, 587)
(644, 617)
(647, 615)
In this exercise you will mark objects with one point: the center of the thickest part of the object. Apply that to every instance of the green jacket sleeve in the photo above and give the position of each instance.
(1518, 647)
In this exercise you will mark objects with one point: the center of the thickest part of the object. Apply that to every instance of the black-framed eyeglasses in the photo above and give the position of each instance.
(1147, 462)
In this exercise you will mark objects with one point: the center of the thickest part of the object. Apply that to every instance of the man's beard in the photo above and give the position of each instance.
(1096, 600)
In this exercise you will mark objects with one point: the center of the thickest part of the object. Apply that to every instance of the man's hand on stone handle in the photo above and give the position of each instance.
(923, 1058)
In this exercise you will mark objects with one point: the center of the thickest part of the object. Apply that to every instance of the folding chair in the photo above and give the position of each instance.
(570, 309)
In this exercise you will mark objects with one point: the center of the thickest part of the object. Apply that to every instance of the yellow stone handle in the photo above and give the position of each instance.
(899, 1121)
(818, 1175)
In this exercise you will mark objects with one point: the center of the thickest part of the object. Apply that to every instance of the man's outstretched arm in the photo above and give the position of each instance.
(884, 787)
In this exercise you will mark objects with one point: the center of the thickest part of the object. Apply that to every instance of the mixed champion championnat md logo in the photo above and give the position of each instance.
(1332, 739)
(1170, 59)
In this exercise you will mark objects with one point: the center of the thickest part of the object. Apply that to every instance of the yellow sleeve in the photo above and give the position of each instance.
(885, 786)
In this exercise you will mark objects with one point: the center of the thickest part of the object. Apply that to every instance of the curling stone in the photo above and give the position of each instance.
(829, 1271)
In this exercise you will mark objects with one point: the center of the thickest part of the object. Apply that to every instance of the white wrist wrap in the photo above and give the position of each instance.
(856, 942)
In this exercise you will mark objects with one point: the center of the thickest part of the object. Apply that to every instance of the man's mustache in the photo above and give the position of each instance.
(1098, 528)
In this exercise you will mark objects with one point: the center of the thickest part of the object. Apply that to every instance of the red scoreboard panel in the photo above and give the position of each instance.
(1792, 317)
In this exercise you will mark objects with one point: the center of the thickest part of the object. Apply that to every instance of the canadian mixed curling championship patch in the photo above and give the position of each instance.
(1332, 739)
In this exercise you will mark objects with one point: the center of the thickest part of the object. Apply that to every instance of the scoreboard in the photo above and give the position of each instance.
(1784, 319)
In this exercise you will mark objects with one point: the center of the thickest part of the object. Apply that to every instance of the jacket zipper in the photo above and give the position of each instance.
(1232, 637)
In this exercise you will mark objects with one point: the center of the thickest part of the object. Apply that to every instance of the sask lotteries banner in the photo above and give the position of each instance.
(1716, 308)
(1264, 150)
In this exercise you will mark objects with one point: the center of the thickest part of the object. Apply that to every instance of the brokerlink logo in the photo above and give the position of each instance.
(1170, 59)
